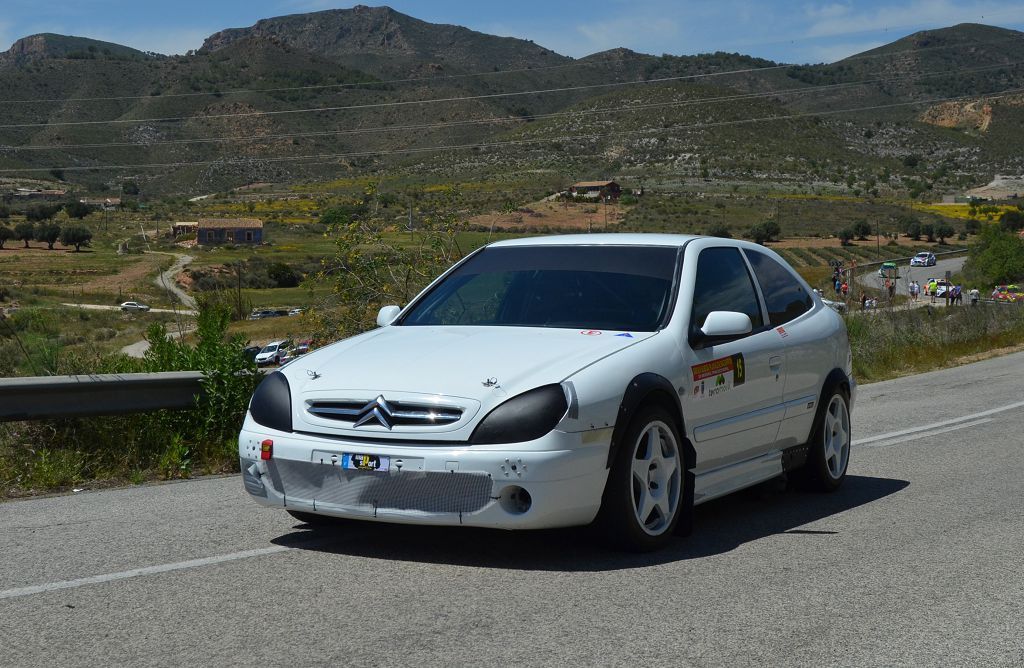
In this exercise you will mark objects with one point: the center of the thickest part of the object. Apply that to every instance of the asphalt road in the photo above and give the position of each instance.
(916, 560)
(919, 274)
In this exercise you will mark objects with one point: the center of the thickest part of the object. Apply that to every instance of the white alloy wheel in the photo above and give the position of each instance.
(656, 477)
(837, 437)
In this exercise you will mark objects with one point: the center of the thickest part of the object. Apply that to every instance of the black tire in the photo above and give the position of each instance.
(825, 468)
(618, 521)
(315, 520)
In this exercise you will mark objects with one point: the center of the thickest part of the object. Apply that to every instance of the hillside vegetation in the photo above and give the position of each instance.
(348, 92)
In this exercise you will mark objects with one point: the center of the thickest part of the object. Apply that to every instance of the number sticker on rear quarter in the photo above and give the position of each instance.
(719, 376)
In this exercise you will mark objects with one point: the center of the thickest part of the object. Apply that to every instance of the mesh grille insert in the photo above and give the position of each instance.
(427, 492)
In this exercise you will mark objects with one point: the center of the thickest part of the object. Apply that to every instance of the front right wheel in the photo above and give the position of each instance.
(643, 498)
(828, 455)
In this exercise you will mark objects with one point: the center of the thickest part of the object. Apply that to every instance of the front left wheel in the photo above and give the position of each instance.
(643, 499)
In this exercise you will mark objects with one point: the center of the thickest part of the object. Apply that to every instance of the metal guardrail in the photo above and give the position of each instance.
(38, 398)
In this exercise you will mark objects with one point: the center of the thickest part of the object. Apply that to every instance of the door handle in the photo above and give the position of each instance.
(775, 362)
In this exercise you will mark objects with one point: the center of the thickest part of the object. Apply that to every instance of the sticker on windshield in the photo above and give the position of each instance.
(625, 335)
(590, 332)
(717, 377)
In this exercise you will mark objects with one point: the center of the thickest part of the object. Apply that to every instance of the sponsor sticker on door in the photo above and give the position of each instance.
(711, 379)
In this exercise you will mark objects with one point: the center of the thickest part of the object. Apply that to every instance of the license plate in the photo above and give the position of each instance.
(365, 462)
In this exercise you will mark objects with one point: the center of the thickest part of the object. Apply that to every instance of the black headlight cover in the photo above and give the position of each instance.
(524, 417)
(271, 404)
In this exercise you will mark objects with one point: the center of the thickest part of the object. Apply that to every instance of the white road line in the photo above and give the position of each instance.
(936, 425)
(138, 572)
(925, 434)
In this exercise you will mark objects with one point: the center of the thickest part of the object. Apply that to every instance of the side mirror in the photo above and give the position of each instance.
(721, 326)
(387, 315)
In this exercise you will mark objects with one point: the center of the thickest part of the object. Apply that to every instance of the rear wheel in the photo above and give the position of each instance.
(644, 494)
(829, 454)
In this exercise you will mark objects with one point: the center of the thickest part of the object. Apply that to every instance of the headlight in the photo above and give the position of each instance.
(524, 417)
(271, 404)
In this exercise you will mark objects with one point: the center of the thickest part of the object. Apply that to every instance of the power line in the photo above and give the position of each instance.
(519, 142)
(518, 119)
(583, 63)
(402, 103)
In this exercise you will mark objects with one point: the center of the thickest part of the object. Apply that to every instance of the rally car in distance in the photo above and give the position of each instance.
(1008, 293)
(923, 259)
(563, 380)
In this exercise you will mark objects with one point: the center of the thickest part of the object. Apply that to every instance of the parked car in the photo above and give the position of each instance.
(267, 313)
(941, 287)
(134, 306)
(272, 352)
(1008, 293)
(250, 352)
(296, 311)
(561, 380)
(298, 350)
(923, 259)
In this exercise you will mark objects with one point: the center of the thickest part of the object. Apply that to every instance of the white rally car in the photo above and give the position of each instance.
(555, 381)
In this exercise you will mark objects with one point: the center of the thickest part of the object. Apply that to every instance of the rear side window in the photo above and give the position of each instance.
(785, 298)
(723, 284)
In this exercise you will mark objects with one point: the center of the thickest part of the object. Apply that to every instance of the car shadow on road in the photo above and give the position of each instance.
(719, 526)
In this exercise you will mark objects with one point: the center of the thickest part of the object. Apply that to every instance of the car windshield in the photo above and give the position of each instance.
(627, 288)
(269, 349)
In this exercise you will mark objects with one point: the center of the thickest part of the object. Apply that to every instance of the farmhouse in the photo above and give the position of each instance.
(596, 189)
(182, 228)
(220, 231)
(104, 204)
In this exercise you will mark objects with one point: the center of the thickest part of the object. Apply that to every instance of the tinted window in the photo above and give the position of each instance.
(723, 284)
(625, 288)
(783, 295)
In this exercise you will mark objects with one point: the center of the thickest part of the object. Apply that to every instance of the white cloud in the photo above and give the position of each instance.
(603, 35)
(830, 53)
(170, 41)
(833, 19)
(6, 35)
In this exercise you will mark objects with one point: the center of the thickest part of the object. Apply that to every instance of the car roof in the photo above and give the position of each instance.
(605, 239)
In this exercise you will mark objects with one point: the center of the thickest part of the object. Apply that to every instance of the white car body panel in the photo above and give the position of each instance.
(738, 436)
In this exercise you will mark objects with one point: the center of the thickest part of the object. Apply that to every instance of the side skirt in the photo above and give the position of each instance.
(728, 479)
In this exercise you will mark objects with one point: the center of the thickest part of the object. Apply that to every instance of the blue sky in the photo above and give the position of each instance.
(812, 31)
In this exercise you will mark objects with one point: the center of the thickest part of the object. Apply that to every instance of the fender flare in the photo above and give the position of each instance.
(634, 397)
(794, 458)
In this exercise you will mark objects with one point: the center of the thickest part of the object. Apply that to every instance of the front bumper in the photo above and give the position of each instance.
(562, 474)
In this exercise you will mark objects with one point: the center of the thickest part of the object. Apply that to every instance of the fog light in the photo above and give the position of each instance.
(516, 500)
(266, 449)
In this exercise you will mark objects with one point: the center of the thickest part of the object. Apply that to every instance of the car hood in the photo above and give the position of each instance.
(475, 368)
(458, 360)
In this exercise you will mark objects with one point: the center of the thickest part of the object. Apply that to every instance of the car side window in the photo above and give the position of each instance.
(785, 298)
(723, 284)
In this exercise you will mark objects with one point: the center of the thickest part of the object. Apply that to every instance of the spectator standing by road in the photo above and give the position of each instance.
(846, 289)
(975, 296)
(933, 285)
(915, 290)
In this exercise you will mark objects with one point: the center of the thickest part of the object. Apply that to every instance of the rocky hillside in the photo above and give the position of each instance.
(383, 41)
(309, 96)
